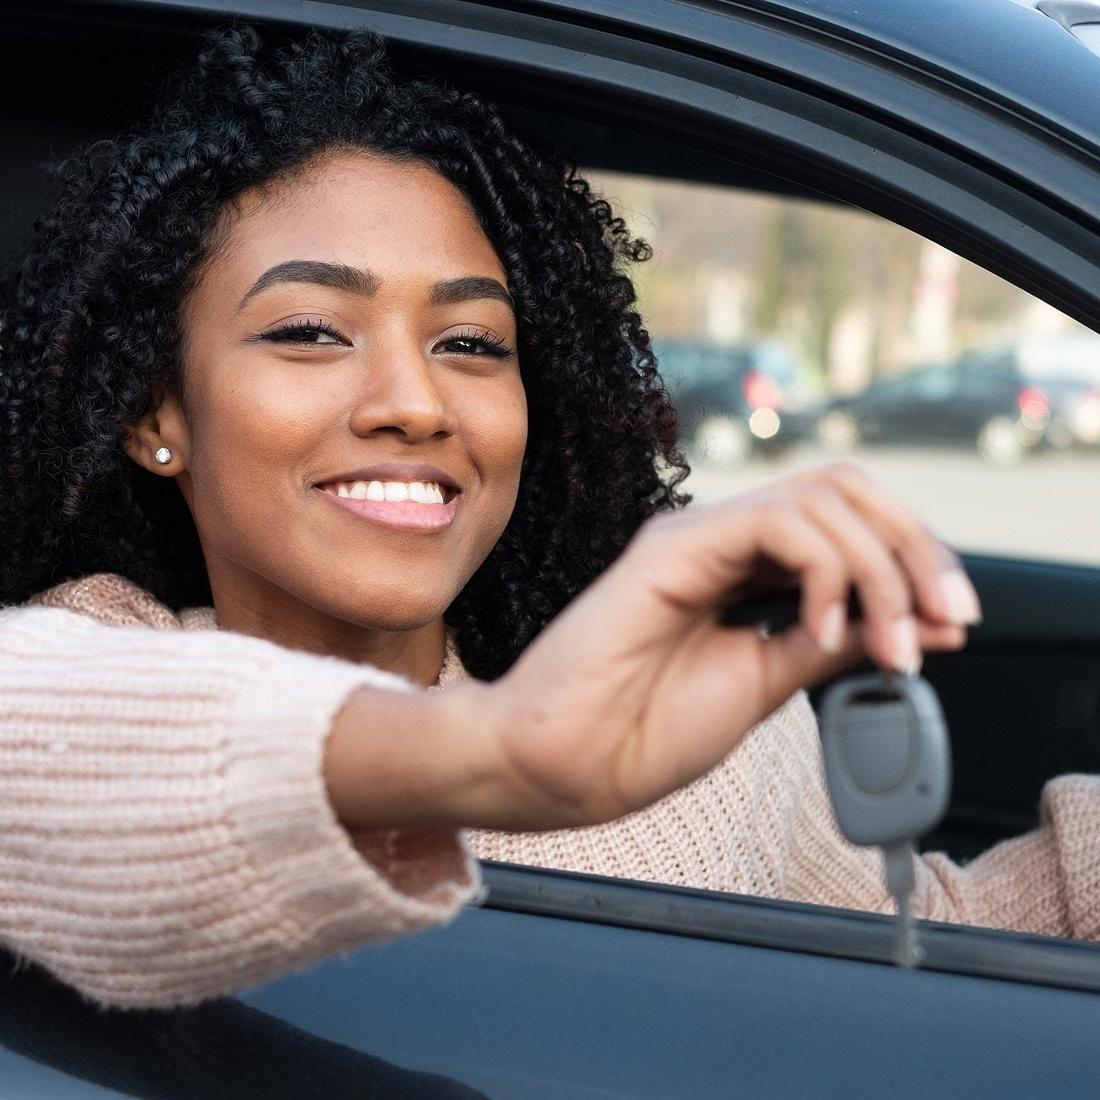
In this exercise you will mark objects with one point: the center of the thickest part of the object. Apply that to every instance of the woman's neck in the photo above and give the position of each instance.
(416, 653)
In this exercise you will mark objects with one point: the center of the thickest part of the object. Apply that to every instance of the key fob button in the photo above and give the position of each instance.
(877, 761)
(886, 756)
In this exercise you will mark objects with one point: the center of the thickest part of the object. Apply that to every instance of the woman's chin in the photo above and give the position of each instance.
(392, 615)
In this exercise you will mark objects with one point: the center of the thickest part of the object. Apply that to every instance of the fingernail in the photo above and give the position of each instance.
(830, 631)
(960, 599)
(905, 655)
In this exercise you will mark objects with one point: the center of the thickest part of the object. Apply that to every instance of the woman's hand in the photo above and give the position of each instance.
(636, 688)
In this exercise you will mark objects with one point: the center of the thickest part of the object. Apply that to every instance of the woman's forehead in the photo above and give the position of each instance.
(366, 211)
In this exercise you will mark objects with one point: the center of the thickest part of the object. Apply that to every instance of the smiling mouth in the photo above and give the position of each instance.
(425, 506)
(418, 492)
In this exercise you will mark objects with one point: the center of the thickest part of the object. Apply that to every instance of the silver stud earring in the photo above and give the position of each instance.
(163, 455)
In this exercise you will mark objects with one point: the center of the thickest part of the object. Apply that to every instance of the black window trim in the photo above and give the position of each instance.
(790, 926)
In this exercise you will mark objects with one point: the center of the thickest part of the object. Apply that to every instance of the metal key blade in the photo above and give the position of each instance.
(901, 881)
(907, 953)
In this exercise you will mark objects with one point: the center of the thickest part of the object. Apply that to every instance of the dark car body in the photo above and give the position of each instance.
(972, 123)
(1000, 402)
(736, 399)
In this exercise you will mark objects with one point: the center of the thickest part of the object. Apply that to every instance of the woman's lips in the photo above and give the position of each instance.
(403, 515)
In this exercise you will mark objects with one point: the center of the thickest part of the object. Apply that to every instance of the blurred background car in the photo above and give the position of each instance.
(735, 400)
(1069, 367)
(1005, 402)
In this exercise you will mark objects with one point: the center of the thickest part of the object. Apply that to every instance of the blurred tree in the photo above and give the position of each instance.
(737, 265)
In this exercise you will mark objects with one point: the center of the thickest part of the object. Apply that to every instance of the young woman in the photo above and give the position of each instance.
(323, 388)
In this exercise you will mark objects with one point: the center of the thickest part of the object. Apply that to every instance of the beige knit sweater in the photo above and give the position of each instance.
(165, 834)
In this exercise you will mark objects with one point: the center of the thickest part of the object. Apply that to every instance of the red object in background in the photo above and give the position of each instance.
(761, 392)
(1033, 404)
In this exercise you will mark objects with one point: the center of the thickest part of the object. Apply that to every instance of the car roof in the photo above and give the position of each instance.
(987, 41)
(979, 42)
(1020, 52)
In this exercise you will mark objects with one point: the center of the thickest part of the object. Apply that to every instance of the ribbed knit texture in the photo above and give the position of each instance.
(165, 834)
(760, 823)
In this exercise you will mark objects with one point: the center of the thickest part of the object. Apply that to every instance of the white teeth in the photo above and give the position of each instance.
(420, 492)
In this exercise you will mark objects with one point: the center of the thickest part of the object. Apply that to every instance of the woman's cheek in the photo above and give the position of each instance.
(516, 421)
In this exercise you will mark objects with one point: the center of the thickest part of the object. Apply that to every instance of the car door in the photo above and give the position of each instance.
(885, 411)
(918, 408)
(562, 986)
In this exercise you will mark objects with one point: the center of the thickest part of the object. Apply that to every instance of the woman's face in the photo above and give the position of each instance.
(354, 421)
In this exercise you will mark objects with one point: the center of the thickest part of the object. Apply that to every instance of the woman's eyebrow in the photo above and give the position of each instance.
(467, 289)
(343, 277)
(337, 276)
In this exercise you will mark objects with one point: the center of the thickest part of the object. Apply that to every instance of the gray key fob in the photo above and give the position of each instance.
(887, 759)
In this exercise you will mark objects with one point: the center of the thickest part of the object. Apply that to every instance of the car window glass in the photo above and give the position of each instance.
(933, 385)
(791, 330)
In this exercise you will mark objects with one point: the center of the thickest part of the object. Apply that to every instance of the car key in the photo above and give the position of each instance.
(775, 612)
(888, 767)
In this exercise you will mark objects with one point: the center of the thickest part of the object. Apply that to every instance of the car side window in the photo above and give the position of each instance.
(790, 330)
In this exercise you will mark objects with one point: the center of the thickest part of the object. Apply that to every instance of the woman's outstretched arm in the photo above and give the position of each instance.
(165, 832)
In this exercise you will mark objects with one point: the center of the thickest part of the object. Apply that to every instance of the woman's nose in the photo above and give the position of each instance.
(402, 395)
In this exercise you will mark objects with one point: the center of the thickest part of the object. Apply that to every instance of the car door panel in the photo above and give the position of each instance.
(540, 1007)
(565, 986)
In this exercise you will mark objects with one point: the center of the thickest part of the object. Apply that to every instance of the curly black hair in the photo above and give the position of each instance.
(90, 327)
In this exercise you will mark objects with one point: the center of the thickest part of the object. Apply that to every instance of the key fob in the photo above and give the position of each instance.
(887, 758)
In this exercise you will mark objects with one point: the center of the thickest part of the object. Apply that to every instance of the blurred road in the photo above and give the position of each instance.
(1047, 507)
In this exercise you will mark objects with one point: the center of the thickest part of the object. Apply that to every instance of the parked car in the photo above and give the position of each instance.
(972, 123)
(734, 400)
(1006, 402)
(1072, 363)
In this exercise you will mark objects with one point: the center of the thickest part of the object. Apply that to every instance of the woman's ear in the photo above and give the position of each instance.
(160, 432)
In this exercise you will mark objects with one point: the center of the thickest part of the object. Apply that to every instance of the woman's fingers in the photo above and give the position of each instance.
(858, 554)
(884, 586)
(792, 660)
(941, 636)
(818, 536)
(944, 591)
(831, 528)
(797, 544)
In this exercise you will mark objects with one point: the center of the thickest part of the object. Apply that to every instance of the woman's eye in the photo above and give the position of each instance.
(476, 343)
(306, 332)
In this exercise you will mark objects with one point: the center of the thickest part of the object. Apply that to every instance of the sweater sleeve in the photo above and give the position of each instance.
(165, 832)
